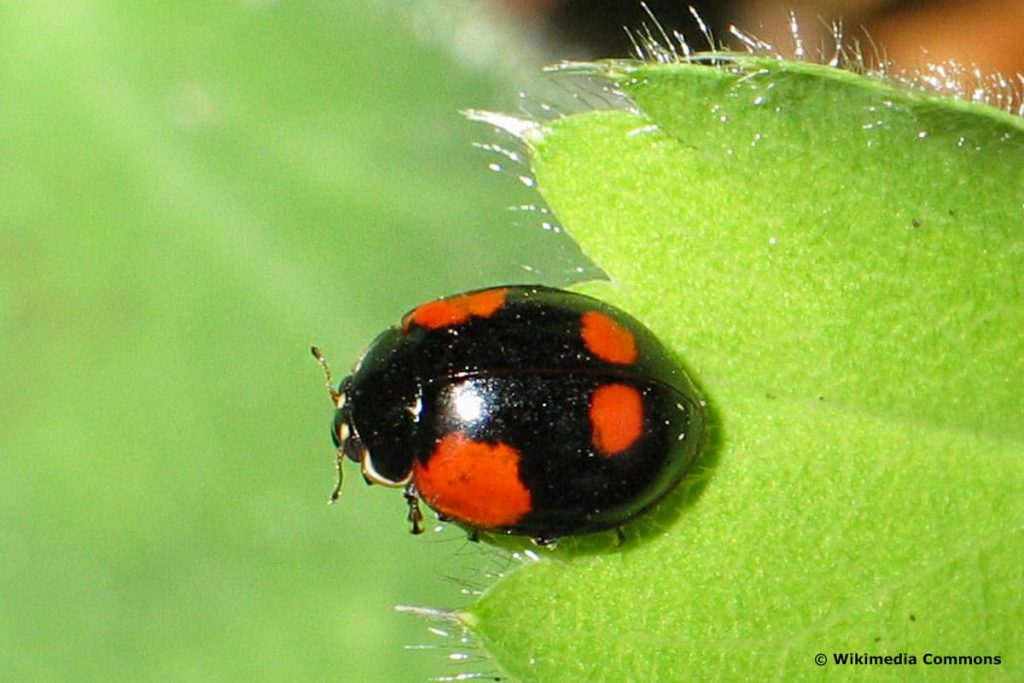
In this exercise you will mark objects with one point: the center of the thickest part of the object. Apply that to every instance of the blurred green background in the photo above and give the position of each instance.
(193, 193)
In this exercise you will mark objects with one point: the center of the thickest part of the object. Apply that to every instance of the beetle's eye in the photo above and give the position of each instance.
(352, 446)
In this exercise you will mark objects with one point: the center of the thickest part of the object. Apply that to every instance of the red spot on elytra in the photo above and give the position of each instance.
(474, 482)
(607, 339)
(456, 310)
(616, 418)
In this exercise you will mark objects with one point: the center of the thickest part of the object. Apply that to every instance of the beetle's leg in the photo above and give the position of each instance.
(620, 537)
(473, 535)
(412, 499)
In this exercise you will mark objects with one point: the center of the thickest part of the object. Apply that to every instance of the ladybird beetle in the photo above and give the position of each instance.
(519, 410)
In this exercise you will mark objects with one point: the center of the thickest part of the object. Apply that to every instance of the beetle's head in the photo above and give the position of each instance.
(342, 431)
(346, 441)
(398, 424)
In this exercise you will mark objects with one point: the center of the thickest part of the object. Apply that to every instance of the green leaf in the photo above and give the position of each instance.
(840, 263)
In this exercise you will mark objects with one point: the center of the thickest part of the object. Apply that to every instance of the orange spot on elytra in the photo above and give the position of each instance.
(456, 310)
(474, 482)
(616, 418)
(607, 339)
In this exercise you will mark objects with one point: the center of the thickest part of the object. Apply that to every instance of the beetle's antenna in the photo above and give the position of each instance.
(336, 493)
(328, 378)
(336, 398)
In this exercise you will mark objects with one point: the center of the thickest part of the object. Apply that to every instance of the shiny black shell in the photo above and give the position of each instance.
(522, 410)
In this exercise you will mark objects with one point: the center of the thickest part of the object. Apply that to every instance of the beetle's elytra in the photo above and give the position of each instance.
(520, 410)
